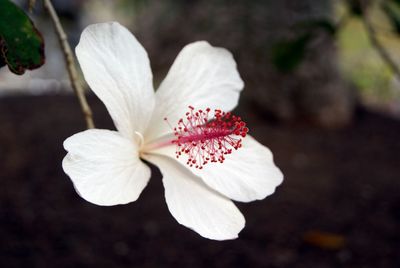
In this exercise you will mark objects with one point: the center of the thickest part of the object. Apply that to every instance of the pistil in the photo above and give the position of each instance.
(204, 138)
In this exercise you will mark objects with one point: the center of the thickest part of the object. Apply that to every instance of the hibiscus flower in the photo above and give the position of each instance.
(204, 153)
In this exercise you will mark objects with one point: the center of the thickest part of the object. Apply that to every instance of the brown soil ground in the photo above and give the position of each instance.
(344, 182)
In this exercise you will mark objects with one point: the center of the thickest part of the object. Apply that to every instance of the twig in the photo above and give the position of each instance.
(384, 54)
(70, 64)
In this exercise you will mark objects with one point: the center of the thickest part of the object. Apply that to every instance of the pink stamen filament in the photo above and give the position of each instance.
(204, 140)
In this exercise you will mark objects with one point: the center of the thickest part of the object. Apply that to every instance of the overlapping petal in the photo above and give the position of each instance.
(247, 174)
(195, 205)
(202, 76)
(117, 69)
(105, 167)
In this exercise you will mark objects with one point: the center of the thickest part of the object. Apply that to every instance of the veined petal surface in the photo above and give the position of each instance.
(195, 205)
(117, 69)
(247, 174)
(105, 167)
(202, 76)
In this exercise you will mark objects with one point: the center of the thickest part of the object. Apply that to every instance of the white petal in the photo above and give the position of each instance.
(202, 76)
(117, 69)
(196, 206)
(247, 174)
(105, 167)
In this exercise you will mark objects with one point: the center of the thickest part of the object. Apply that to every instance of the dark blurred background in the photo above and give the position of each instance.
(318, 92)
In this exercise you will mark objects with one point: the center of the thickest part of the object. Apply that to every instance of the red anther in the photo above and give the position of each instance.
(207, 139)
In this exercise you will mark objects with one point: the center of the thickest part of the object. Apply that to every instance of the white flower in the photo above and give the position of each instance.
(105, 166)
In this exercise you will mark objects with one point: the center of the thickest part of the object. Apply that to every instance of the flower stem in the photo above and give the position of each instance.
(70, 64)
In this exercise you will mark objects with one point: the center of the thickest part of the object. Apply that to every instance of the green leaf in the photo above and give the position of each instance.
(392, 10)
(21, 44)
(288, 54)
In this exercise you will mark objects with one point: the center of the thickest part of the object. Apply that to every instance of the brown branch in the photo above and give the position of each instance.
(383, 53)
(70, 64)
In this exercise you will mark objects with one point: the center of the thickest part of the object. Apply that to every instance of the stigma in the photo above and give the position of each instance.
(206, 136)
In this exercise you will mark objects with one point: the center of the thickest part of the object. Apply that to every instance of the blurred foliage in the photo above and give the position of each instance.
(131, 6)
(288, 54)
(392, 10)
(21, 44)
(355, 7)
(318, 24)
(362, 65)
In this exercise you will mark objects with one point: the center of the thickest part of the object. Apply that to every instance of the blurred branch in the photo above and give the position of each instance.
(70, 64)
(383, 53)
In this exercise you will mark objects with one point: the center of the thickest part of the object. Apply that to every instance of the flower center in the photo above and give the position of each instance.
(139, 139)
(207, 139)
